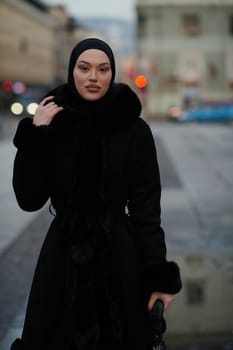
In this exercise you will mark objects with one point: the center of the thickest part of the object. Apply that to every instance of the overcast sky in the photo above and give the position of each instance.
(112, 8)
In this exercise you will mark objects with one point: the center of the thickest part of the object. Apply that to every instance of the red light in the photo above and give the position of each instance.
(141, 81)
(7, 85)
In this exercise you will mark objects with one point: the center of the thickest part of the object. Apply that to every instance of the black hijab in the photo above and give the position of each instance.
(91, 120)
(91, 109)
(87, 44)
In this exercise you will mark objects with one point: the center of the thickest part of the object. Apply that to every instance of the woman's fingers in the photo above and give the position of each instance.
(46, 111)
(166, 299)
(48, 98)
(152, 300)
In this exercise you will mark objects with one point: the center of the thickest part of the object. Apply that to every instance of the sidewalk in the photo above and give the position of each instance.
(13, 221)
(202, 206)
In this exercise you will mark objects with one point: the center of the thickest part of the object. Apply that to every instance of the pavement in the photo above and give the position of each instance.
(196, 165)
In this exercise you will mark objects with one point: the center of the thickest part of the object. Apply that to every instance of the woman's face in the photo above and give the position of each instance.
(92, 74)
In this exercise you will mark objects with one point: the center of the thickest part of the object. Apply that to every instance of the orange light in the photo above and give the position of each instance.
(141, 81)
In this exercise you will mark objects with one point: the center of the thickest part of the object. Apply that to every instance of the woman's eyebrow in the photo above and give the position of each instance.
(101, 64)
(104, 63)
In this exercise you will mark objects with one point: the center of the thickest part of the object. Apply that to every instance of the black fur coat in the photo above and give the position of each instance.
(105, 250)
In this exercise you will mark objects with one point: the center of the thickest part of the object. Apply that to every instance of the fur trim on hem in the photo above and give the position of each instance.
(30, 137)
(164, 277)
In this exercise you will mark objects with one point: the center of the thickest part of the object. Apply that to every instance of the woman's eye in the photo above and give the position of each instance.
(104, 69)
(83, 68)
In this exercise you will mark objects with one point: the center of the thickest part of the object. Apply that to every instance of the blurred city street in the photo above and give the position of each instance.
(178, 57)
(196, 164)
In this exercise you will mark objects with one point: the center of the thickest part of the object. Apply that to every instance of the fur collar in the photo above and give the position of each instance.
(117, 114)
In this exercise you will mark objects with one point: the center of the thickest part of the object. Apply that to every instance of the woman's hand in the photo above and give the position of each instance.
(46, 111)
(166, 298)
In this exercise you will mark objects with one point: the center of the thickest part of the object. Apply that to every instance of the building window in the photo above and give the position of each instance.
(231, 25)
(195, 292)
(141, 25)
(191, 24)
(23, 45)
(212, 71)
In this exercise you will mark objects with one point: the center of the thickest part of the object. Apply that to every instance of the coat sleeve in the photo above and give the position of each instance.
(145, 214)
(32, 165)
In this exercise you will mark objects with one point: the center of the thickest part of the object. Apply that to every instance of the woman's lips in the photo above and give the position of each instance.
(93, 88)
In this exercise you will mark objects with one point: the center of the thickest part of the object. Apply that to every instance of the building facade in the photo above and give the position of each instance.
(36, 41)
(185, 48)
(26, 43)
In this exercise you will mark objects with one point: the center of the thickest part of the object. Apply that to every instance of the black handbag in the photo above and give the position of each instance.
(158, 325)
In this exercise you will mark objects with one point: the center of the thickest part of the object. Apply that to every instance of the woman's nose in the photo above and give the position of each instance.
(93, 75)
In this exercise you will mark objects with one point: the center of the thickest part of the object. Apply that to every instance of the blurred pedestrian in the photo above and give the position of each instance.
(103, 262)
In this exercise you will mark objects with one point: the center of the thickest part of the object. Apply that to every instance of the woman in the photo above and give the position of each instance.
(103, 262)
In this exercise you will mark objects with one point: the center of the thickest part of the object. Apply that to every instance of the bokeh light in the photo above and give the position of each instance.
(19, 88)
(141, 81)
(17, 108)
(7, 85)
(31, 108)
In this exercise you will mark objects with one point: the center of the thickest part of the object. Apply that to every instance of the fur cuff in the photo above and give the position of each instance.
(30, 137)
(164, 277)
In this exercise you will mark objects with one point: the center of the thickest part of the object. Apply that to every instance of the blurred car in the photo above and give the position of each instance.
(207, 112)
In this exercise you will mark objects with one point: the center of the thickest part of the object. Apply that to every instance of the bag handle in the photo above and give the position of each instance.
(157, 325)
